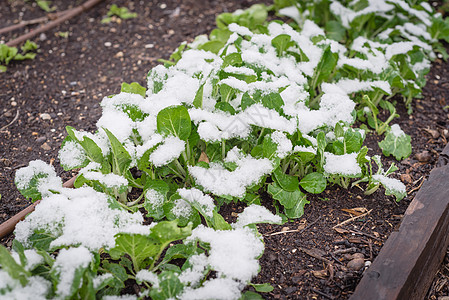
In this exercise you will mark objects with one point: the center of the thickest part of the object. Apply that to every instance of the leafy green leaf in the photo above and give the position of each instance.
(262, 287)
(273, 101)
(249, 295)
(169, 286)
(314, 183)
(286, 182)
(335, 31)
(120, 156)
(133, 88)
(14, 270)
(174, 120)
(281, 42)
(397, 145)
(139, 247)
(198, 101)
(288, 199)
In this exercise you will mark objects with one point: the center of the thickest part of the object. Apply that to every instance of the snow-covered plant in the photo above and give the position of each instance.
(255, 108)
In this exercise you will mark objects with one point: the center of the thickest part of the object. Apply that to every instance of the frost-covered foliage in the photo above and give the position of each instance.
(252, 101)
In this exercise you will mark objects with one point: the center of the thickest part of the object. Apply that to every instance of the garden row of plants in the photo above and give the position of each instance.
(255, 109)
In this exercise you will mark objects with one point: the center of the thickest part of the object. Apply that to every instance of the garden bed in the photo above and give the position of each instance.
(309, 259)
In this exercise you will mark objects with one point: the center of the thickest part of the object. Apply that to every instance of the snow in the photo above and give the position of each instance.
(220, 181)
(66, 264)
(72, 155)
(170, 150)
(33, 259)
(284, 145)
(390, 183)
(194, 195)
(154, 197)
(37, 288)
(396, 130)
(148, 276)
(77, 217)
(43, 173)
(345, 165)
(256, 214)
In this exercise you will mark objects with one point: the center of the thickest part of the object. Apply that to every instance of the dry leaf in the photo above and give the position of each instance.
(203, 157)
(321, 274)
(341, 230)
(356, 211)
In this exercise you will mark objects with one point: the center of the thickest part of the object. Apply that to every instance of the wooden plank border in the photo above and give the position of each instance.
(410, 258)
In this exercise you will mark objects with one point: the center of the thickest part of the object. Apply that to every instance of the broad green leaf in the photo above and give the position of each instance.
(227, 93)
(20, 250)
(247, 101)
(287, 199)
(335, 31)
(233, 59)
(397, 145)
(221, 35)
(168, 231)
(314, 183)
(120, 156)
(262, 287)
(219, 223)
(118, 272)
(281, 42)
(273, 101)
(269, 148)
(226, 107)
(286, 182)
(298, 210)
(212, 46)
(249, 295)
(198, 101)
(41, 239)
(169, 286)
(174, 120)
(14, 270)
(3, 68)
(133, 88)
(139, 247)
(325, 67)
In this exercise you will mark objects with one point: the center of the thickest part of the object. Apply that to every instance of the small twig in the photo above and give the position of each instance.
(418, 187)
(352, 219)
(294, 230)
(74, 12)
(13, 120)
(321, 293)
(363, 233)
(51, 16)
(343, 251)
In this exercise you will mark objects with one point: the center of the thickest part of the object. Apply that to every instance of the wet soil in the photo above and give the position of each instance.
(305, 259)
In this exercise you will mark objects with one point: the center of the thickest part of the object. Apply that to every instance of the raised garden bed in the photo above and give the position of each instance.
(291, 263)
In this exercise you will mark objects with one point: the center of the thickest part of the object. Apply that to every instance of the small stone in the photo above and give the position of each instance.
(13, 103)
(424, 156)
(119, 54)
(107, 44)
(356, 264)
(446, 133)
(163, 6)
(358, 255)
(285, 228)
(45, 116)
(42, 37)
(41, 139)
(29, 149)
(406, 178)
(434, 133)
(46, 147)
(367, 263)
(149, 46)
(8, 114)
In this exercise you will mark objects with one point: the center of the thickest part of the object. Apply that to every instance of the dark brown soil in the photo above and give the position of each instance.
(69, 77)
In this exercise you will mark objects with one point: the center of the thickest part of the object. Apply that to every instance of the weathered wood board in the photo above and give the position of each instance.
(409, 259)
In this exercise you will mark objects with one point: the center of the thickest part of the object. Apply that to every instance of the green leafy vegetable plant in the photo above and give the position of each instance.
(120, 12)
(256, 108)
(7, 54)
